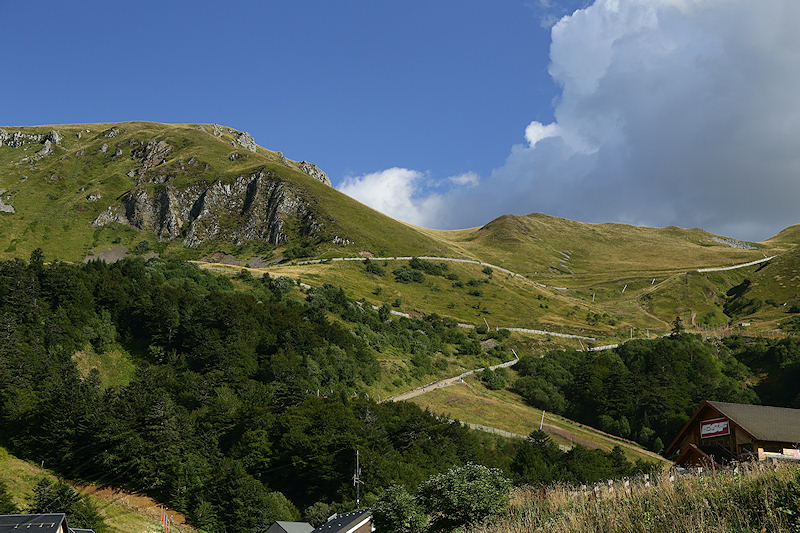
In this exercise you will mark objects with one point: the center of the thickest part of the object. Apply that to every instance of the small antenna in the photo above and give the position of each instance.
(357, 480)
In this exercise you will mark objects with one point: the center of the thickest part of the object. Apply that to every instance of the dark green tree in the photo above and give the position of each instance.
(464, 495)
(397, 511)
(677, 326)
(7, 505)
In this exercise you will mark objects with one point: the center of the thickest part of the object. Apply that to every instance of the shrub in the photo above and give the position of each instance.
(7, 505)
(429, 267)
(494, 379)
(371, 267)
(397, 511)
(464, 495)
(408, 275)
(58, 497)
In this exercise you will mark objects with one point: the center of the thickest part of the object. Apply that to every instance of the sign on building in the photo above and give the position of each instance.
(715, 427)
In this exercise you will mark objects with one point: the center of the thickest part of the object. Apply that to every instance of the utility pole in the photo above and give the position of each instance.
(541, 424)
(357, 481)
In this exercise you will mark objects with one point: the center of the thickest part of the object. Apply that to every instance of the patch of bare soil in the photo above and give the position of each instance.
(139, 503)
(219, 257)
(108, 256)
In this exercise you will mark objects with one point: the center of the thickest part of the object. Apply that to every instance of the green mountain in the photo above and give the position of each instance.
(185, 189)
(208, 192)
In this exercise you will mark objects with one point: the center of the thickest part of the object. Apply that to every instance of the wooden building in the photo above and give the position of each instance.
(720, 432)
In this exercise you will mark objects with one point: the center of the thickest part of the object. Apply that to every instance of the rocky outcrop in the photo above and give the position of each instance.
(5, 208)
(152, 154)
(110, 133)
(254, 207)
(46, 150)
(315, 172)
(54, 137)
(19, 139)
(246, 141)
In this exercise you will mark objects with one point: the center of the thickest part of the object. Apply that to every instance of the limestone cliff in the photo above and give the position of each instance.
(254, 207)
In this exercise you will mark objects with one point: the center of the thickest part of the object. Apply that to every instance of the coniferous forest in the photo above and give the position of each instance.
(246, 402)
(246, 405)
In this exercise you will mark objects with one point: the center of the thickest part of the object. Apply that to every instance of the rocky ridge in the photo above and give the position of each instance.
(254, 207)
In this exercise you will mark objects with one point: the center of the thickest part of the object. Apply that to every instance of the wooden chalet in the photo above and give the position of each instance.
(721, 432)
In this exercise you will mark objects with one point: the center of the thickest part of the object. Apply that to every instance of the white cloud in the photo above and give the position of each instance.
(672, 112)
(536, 131)
(677, 112)
(470, 179)
(397, 192)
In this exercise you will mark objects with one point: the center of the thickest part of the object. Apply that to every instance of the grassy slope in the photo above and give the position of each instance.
(114, 365)
(53, 213)
(504, 301)
(531, 244)
(503, 409)
(757, 497)
(594, 261)
(123, 512)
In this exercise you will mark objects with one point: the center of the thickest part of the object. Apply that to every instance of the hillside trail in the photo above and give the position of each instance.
(446, 382)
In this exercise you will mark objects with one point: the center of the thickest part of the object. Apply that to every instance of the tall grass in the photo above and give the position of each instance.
(756, 497)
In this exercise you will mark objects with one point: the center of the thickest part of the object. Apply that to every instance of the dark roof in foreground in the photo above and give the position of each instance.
(344, 522)
(293, 527)
(780, 424)
(41, 523)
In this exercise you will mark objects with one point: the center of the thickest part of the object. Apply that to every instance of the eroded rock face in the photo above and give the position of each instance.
(253, 207)
(5, 208)
(315, 172)
(18, 139)
(246, 141)
(153, 153)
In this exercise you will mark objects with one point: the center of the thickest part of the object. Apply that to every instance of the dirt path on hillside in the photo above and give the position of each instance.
(141, 504)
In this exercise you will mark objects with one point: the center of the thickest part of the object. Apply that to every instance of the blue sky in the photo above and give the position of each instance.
(450, 113)
(356, 86)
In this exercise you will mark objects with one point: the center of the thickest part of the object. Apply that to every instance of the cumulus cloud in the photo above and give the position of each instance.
(470, 179)
(677, 112)
(397, 192)
(536, 131)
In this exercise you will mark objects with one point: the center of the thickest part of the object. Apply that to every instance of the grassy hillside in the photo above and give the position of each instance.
(473, 402)
(50, 193)
(547, 246)
(603, 280)
(757, 498)
(123, 512)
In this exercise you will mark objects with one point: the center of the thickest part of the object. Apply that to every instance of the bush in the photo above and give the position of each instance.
(7, 505)
(434, 269)
(371, 267)
(58, 497)
(397, 511)
(494, 379)
(318, 513)
(464, 496)
(408, 275)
